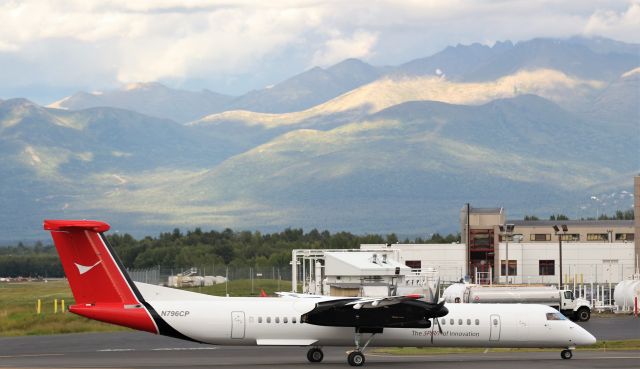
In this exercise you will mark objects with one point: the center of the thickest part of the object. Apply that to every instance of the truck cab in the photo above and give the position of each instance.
(576, 309)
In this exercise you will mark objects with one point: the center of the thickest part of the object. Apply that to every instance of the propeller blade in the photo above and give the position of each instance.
(433, 327)
(439, 326)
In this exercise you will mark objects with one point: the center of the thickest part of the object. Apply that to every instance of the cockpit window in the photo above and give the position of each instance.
(555, 316)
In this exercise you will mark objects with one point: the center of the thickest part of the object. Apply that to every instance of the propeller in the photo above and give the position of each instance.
(435, 295)
(438, 310)
(435, 321)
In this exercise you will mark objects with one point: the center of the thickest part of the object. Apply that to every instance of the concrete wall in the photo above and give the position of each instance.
(597, 262)
(586, 262)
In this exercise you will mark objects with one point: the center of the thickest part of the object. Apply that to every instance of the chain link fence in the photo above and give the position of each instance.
(159, 275)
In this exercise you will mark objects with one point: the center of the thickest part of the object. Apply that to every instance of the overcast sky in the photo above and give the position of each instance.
(49, 49)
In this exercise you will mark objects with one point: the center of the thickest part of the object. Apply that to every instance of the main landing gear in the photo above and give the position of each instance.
(356, 357)
(315, 355)
(566, 354)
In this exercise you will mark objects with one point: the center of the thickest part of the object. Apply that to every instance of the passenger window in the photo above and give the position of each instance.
(443, 321)
(277, 319)
(452, 322)
(268, 319)
(293, 320)
(477, 321)
(468, 321)
(259, 319)
(285, 320)
(459, 321)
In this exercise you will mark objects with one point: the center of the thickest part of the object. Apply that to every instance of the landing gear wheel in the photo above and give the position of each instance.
(355, 358)
(315, 355)
(566, 354)
(583, 314)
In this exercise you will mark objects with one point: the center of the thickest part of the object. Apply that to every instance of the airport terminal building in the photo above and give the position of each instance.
(528, 251)
(592, 251)
(494, 249)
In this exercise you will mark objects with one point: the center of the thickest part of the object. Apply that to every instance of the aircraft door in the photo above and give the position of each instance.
(237, 324)
(494, 334)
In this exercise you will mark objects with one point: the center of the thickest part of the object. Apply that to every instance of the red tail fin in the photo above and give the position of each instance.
(99, 283)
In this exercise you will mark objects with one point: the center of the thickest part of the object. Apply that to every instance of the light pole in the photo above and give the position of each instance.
(560, 234)
(507, 231)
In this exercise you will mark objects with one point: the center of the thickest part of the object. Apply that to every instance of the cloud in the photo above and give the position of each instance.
(246, 44)
(336, 49)
(621, 25)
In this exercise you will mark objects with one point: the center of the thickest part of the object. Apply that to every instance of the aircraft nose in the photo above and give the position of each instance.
(584, 338)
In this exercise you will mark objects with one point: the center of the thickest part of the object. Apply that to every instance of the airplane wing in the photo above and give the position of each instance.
(298, 295)
(378, 313)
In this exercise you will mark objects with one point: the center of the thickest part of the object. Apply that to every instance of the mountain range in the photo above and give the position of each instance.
(537, 126)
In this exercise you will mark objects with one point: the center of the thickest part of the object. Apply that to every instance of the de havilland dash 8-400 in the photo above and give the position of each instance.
(103, 291)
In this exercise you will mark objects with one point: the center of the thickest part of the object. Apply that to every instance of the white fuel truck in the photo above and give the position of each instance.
(563, 300)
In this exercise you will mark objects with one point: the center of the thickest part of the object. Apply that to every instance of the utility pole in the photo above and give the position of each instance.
(559, 233)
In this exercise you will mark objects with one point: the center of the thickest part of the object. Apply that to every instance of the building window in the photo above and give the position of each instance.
(540, 237)
(570, 237)
(625, 236)
(547, 267)
(413, 264)
(482, 240)
(516, 237)
(597, 237)
(513, 267)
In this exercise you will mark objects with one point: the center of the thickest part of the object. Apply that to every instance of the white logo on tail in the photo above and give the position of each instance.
(83, 269)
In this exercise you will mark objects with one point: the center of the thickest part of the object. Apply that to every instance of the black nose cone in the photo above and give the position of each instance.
(442, 311)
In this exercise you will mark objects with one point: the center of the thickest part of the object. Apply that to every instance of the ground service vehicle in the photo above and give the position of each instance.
(576, 309)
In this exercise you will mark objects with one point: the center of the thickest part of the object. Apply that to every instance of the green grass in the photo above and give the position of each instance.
(18, 315)
(618, 345)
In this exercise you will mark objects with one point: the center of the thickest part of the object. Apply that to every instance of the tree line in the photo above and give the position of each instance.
(178, 249)
(618, 215)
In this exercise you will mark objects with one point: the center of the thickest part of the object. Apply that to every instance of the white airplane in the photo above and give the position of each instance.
(104, 291)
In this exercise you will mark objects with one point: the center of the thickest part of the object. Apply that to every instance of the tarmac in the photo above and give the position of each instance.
(143, 350)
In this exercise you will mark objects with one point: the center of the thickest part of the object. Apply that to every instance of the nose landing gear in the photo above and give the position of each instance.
(566, 354)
